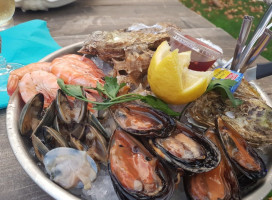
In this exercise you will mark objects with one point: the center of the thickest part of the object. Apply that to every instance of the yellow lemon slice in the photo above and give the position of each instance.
(171, 80)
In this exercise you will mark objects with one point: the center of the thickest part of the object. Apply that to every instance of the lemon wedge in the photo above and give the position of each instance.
(171, 80)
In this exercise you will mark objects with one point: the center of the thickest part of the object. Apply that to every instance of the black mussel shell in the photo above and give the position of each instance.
(30, 115)
(219, 183)
(145, 179)
(142, 120)
(193, 153)
(70, 112)
(240, 153)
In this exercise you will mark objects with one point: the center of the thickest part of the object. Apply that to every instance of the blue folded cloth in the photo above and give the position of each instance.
(26, 43)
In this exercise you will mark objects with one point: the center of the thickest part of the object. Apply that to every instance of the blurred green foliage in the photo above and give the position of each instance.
(228, 15)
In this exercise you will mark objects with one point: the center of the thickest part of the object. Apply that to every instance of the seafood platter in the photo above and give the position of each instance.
(84, 123)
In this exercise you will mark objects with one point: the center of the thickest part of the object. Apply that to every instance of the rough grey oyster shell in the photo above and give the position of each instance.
(252, 119)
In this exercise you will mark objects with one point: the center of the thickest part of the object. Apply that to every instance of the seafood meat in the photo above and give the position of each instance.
(136, 173)
(219, 183)
(42, 77)
(142, 120)
(240, 153)
(187, 149)
(68, 167)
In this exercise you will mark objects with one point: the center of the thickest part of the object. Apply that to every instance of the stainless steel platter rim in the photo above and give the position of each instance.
(38, 176)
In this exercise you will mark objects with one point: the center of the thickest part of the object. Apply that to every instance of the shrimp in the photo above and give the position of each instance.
(92, 66)
(16, 75)
(39, 82)
(76, 72)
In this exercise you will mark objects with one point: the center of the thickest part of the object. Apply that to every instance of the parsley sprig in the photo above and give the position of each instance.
(109, 93)
(223, 87)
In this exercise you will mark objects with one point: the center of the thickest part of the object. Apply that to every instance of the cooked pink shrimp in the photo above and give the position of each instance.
(91, 65)
(16, 75)
(76, 72)
(39, 82)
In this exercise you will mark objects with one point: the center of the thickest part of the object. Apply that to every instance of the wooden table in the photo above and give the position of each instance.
(73, 23)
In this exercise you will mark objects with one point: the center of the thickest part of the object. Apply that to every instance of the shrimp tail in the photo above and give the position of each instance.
(13, 81)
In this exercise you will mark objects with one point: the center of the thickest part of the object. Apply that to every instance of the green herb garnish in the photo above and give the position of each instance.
(109, 92)
(223, 87)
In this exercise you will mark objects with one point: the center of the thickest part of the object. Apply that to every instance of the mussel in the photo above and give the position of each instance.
(135, 172)
(241, 154)
(142, 121)
(187, 149)
(96, 144)
(219, 183)
(31, 115)
(45, 139)
(69, 111)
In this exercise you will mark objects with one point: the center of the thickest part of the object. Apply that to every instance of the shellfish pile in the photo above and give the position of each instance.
(147, 151)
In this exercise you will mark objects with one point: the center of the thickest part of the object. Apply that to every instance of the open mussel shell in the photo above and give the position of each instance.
(31, 115)
(53, 138)
(96, 123)
(219, 183)
(39, 148)
(70, 112)
(97, 145)
(142, 121)
(45, 139)
(187, 149)
(47, 119)
(241, 154)
(135, 172)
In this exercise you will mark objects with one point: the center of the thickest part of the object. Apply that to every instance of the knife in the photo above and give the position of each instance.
(259, 71)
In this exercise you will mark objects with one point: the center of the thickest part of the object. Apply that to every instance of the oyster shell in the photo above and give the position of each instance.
(129, 50)
(252, 119)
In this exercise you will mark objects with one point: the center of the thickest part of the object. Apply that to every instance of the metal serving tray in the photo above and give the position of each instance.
(21, 147)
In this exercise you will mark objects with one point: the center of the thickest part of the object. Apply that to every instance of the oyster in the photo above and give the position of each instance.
(240, 153)
(252, 119)
(135, 172)
(219, 183)
(129, 50)
(142, 120)
(68, 167)
(187, 149)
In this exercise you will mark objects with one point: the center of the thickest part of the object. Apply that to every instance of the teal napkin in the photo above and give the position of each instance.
(26, 43)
